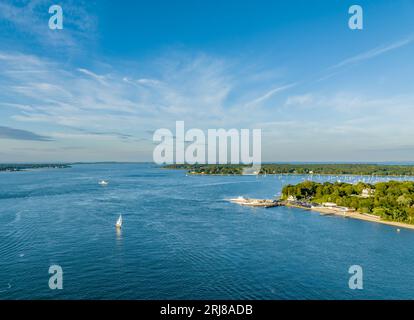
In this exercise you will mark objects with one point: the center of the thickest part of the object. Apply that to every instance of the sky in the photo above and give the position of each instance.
(99, 88)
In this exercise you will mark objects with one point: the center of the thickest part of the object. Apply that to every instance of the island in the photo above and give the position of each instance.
(29, 166)
(286, 168)
(389, 202)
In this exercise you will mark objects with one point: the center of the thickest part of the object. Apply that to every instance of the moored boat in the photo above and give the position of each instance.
(265, 203)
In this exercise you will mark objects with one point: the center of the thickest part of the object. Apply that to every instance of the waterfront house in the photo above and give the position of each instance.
(366, 193)
(291, 198)
(329, 205)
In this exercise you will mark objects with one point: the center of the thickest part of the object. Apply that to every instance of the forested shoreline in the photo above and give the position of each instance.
(28, 166)
(333, 169)
(392, 200)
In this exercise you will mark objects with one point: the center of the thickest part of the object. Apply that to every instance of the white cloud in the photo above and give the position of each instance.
(93, 75)
(374, 52)
(304, 99)
(270, 93)
(194, 90)
(149, 82)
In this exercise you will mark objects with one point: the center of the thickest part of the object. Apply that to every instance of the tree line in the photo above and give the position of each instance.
(334, 169)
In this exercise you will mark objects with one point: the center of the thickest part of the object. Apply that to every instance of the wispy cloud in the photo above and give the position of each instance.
(195, 90)
(299, 100)
(270, 94)
(93, 75)
(17, 134)
(374, 52)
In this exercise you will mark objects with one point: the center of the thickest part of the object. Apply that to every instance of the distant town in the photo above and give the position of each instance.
(28, 166)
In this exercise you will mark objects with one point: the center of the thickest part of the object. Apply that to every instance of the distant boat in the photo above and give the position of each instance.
(103, 183)
(118, 223)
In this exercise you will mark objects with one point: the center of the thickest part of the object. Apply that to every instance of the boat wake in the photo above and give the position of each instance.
(8, 288)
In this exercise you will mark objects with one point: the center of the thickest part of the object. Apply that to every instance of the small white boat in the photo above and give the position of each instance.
(118, 223)
(103, 183)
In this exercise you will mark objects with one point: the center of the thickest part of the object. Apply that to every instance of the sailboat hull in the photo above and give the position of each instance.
(119, 222)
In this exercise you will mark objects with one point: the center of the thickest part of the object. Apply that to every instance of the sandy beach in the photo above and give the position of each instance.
(354, 215)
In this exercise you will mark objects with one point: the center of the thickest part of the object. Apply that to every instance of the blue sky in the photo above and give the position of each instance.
(97, 90)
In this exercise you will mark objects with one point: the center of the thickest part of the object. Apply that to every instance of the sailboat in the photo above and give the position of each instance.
(118, 223)
(103, 183)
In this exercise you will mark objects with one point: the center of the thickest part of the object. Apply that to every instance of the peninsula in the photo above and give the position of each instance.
(384, 202)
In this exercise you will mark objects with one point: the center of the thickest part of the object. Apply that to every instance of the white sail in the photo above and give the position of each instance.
(119, 222)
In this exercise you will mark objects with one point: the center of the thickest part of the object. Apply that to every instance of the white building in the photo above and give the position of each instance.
(366, 193)
(291, 198)
(329, 204)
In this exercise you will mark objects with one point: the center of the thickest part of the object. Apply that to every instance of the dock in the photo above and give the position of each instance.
(264, 203)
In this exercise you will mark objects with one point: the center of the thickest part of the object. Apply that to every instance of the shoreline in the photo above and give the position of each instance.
(335, 169)
(353, 215)
(290, 174)
(32, 168)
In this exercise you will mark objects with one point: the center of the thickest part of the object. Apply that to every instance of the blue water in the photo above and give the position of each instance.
(181, 240)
